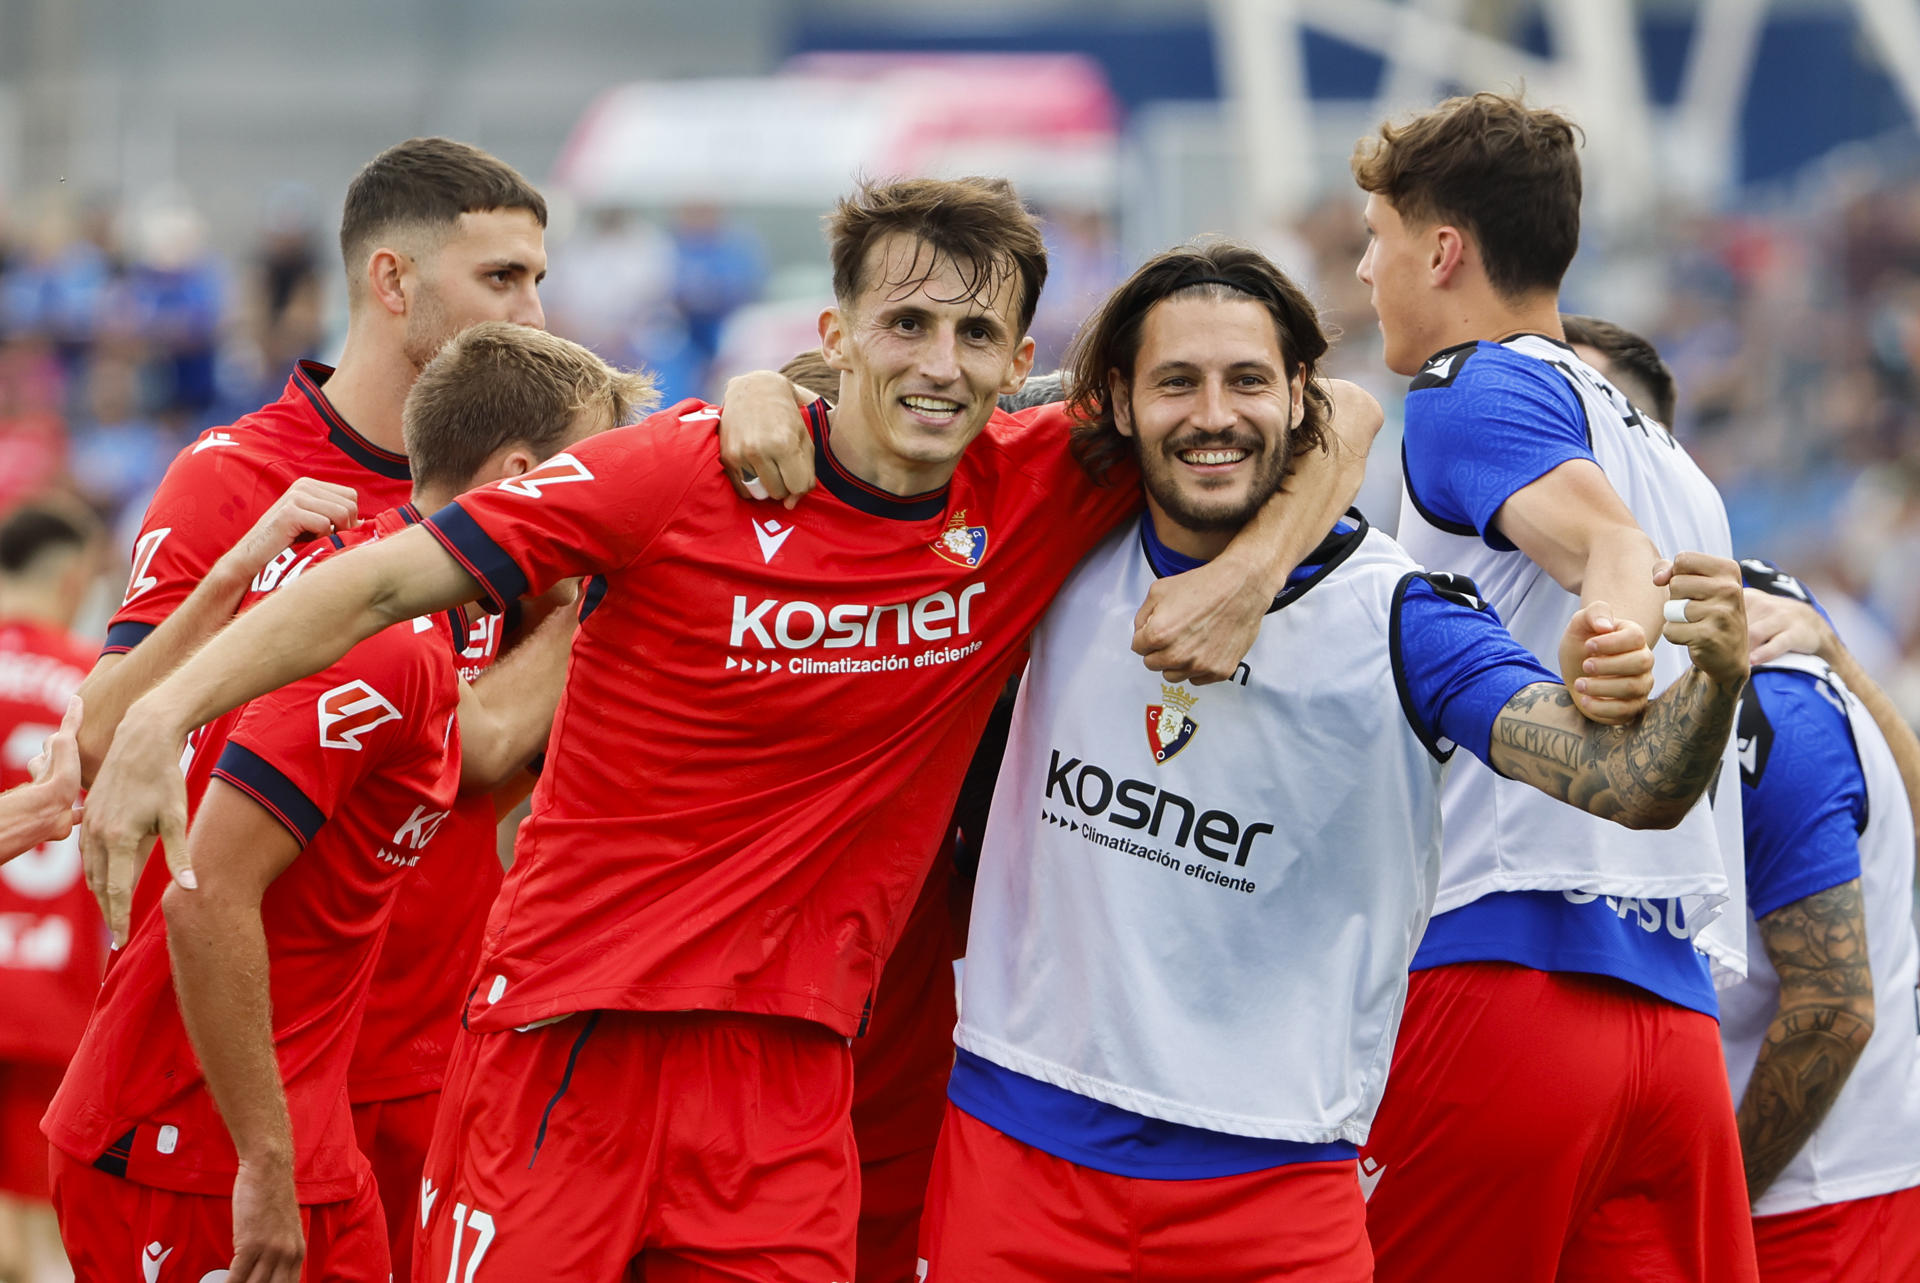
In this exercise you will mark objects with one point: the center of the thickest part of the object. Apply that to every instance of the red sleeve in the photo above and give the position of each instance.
(301, 749)
(588, 511)
(204, 504)
(1090, 511)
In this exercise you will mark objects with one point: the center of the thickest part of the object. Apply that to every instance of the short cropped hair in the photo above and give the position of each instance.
(1636, 367)
(978, 223)
(1506, 173)
(1110, 341)
(809, 369)
(427, 183)
(498, 384)
(35, 531)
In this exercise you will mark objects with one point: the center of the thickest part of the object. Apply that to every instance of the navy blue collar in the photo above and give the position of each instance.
(1334, 549)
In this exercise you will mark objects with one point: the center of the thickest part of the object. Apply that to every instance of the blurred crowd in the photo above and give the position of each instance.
(1794, 333)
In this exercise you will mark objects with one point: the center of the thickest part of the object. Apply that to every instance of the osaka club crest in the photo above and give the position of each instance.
(1169, 724)
(960, 543)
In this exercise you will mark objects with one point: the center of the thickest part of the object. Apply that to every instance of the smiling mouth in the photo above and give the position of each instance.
(1211, 458)
(931, 407)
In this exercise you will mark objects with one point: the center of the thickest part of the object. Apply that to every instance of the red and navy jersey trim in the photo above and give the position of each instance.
(263, 782)
(308, 376)
(854, 492)
(124, 636)
(501, 580)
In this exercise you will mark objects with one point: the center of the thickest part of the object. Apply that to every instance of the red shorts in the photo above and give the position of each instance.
(1542, 1126)
(26, 1089)
(111, 1226)
(893, 1196)
(393, 1134)
(1864, 1240)
(682, 1146)
(1000, 1210)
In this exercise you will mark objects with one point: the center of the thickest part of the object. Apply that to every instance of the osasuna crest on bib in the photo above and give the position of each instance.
(960, 543)
(1169, 723)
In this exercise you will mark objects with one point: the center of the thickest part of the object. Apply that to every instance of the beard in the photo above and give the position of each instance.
(429, 326)
(1206, 512)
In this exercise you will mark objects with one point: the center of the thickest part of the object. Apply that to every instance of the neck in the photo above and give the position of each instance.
(1491, 317)
(431, 499)
(23, 604)
(859, 453)
(1201, 545)
(369, 387)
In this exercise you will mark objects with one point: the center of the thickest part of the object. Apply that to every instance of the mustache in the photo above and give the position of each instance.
(1215, 441)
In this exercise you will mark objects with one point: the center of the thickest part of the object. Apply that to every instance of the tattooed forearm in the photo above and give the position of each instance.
(1646, 774)
(1819, 947)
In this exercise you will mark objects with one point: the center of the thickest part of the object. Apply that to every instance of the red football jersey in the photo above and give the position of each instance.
(53, 942)
(426, 964)
(767, 715)
(213, 492)
(361, 762)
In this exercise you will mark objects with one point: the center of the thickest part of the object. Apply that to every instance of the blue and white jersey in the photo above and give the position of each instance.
(1196, 906)
(1483, 422)
(1825, 804)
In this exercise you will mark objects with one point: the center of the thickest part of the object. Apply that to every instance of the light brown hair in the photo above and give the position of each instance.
(1110, 341)
(1505, 173)
(429, 183)
(810, 370)
(498, 384)
(977, 223)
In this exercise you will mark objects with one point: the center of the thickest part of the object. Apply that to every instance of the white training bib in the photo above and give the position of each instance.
(1199, 903)
(1505, 836)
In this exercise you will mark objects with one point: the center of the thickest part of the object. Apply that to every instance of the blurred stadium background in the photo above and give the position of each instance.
(171, 171)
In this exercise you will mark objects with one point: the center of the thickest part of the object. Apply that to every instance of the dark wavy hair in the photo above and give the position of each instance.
(1110, 342)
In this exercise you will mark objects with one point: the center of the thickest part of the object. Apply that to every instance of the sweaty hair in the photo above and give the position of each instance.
(426, 183)
(35, 530)
(498, 384)
(978, 223)
(1110, 341)
(1634, 364)
(1505, 173)
(810, 370)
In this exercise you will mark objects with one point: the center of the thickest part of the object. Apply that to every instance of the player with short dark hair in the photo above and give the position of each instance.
(1632, 363)
(217, 1133)
(764, 728)
(1829, 1113)
(437, 235)
(1559, 1065)
(1189, 946)
(52, 947)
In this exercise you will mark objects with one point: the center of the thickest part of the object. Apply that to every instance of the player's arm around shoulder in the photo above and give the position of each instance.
(1198, 626)
(1649, 771)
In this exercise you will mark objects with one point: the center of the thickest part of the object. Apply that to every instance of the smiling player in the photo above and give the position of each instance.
(764, 728)
(1190, 936)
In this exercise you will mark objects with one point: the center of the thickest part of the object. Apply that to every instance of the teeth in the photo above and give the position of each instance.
(928, 405)
(1213, 456)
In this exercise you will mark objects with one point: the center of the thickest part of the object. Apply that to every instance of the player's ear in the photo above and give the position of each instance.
(1020, 368)
(387, 269)
(1447, 255)
(1122, 403)
(517, 461)
(833, 339)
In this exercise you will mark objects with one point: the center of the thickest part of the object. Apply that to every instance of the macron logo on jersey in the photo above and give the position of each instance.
(556, 471)
(348, 712)
(143, 553)
(771, 535)
(151, 1258)
(213, 440)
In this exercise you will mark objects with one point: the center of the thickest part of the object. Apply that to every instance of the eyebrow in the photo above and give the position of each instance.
(1170, 367)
